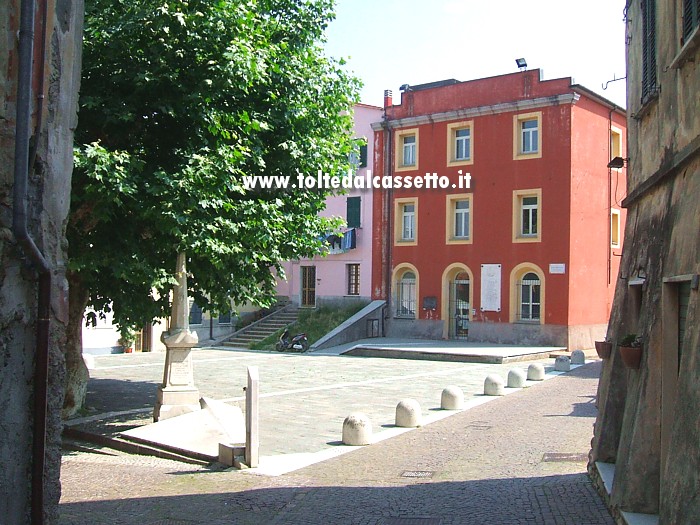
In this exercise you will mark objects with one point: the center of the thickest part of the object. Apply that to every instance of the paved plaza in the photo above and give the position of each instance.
(516, 459)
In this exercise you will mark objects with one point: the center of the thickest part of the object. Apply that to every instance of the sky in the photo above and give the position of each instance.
(388, 43)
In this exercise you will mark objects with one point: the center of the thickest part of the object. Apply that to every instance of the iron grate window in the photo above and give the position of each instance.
(406, 296)
(353, 279)
(529, 298)
(691, 18)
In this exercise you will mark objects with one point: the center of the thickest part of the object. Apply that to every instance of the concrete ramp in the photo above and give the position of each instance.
(196, 434)
(466, 352)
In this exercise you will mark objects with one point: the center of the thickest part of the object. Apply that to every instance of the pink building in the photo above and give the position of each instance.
(345, 273)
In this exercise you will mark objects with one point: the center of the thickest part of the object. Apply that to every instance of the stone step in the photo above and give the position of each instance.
(260, 334)
(263, 329)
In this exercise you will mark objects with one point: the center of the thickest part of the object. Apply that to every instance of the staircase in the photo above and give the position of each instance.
(263, 328)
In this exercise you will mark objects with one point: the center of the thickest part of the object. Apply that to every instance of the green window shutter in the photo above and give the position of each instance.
(363, 155)
(353, 212)
(648, 50)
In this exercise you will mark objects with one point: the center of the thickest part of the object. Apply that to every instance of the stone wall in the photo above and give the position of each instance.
(47, 204)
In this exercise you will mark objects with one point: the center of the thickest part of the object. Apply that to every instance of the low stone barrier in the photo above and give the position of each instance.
(452, 398)
(357, 430)
(408, 414)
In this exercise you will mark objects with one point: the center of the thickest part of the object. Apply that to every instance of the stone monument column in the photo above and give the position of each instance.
(178, 395)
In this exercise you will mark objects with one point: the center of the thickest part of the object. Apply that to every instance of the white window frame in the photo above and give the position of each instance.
(406, 151)
(529, 221)
(452, 218)
(462, 217)
(405, 233)
(463, 142)
(523, 135)
(408, 222)
(528, 135)
(453, 141)
(519, 221)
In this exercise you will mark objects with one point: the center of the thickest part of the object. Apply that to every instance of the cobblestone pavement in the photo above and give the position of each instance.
(520, 459)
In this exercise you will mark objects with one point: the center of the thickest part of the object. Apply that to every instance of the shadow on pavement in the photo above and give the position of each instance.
(543, 500)
(111, 395)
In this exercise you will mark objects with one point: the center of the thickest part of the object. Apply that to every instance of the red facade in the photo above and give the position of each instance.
(528, 253)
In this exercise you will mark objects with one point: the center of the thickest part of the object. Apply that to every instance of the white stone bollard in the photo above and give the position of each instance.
(493, 385)
(516, 378)
(452, 398)
(357, 430)
(578, 357)
(535, 372)
(408, 414)
(562, 364)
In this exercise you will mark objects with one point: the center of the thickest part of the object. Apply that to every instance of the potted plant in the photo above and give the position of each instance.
(631, 350)
(603, 348)
(127, 338)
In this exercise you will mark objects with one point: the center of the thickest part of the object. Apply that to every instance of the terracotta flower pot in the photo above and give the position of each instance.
(603, 348)
(631, 356)
(128, 350)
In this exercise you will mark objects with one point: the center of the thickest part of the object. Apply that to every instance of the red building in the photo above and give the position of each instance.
(503, 222)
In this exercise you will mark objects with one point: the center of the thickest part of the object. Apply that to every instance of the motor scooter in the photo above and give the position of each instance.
(298, 343)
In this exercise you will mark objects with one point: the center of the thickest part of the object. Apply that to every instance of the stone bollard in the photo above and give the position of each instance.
(516, 378)
(452, 398)
(408, 414)
(562, 364)
(535, 372)
(493, 385)
(578, 357)
(357, 430)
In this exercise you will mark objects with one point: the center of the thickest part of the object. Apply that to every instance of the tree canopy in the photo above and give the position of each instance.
(179, 101)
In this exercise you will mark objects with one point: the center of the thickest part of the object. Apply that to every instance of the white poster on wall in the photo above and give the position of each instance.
(490, 287)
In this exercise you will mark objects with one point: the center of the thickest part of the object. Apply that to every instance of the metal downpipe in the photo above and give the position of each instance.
(21, 234)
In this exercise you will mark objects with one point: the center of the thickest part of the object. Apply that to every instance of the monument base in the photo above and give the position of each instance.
(173, 402)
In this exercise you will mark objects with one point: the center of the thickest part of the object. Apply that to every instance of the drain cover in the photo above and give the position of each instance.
(417, 474)
(411, 521)
(171, 522)
(573, 457)
(479, 427)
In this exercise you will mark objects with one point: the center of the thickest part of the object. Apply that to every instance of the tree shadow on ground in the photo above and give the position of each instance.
(544, 500)
(113, 395)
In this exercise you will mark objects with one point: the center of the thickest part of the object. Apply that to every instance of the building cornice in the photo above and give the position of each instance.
(479, 111)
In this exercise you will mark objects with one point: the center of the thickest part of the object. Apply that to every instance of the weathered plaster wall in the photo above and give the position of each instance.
(648, 418)
(48, 202)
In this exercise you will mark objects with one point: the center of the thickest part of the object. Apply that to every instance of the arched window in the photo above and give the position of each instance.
(406, 295)
(529, 297)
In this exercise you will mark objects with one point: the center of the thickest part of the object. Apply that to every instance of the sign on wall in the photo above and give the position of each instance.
(557, 268)
(490, 287)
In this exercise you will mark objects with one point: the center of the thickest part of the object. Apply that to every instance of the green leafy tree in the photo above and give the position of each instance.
(179, 101)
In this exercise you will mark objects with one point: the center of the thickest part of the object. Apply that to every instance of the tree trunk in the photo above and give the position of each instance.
(77, 374)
